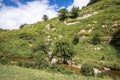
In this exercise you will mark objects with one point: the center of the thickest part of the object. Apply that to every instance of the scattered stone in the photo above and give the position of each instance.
(55, 38)
(82, 31)
(98, 48)
(90, 30)
(60, 36)
(104, 26)
(50, 54)
(116, 23)
(54, 60)
(48, 36)
(52, 43)
(90, 25)
(106, 69)
(96, 71)
(49, 26)
(95, 21)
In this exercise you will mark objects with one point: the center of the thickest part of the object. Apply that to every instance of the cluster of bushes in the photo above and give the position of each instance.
(45, 65)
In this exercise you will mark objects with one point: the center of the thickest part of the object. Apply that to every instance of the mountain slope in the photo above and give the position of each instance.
(102, 18)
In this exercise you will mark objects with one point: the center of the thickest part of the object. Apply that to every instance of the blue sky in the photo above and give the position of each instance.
(13, 13)
(59, 3)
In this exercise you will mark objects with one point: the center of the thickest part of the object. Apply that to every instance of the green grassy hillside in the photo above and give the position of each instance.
(18, 73)
(101, 19)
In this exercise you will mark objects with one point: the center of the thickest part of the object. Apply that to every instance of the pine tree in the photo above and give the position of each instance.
(63, 14)
(45, 17)
(74, 11)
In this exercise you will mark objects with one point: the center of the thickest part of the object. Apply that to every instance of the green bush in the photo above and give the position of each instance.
(95, 38)
(87, 69)
(75, 39)
(22, 26)
(61, 69)
(116, 40)
(4, 60)
(26, 36)
(63, 50)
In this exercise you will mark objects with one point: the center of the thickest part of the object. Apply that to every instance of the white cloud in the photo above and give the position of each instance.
(13, 17)
(79, 3)
(1, 3)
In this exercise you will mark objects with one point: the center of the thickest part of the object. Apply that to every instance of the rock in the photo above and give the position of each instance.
(104, 26)
(53, 61)
(98, 48)
(47, 26)
(82, 31)
(106, 69)
(90, 30)
(48, 36)
(50, 54)
(95, 21)
(96, 71)
(60, 36)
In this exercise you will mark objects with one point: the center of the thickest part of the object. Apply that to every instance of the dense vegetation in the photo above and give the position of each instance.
(90, 37)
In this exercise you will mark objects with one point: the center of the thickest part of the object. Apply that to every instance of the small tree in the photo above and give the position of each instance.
(75, 39)
(74, 11)
(45, 17)
(63, 50)
(63, 14)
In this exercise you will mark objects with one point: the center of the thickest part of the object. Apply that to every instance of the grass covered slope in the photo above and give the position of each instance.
(101, 19)
(104, 23)
(18, 73)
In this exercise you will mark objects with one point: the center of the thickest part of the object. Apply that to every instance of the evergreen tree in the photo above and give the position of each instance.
(45, 17)
(74, 11)
(63, 14)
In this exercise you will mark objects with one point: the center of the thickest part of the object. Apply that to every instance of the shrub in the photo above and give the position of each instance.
(63, 50)
(87, 69)
(22, 26)
(116, 40)
(95, 38)
(26, 36)
(4, 60)
(41, 47)
(75, 39)
(61, 69)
